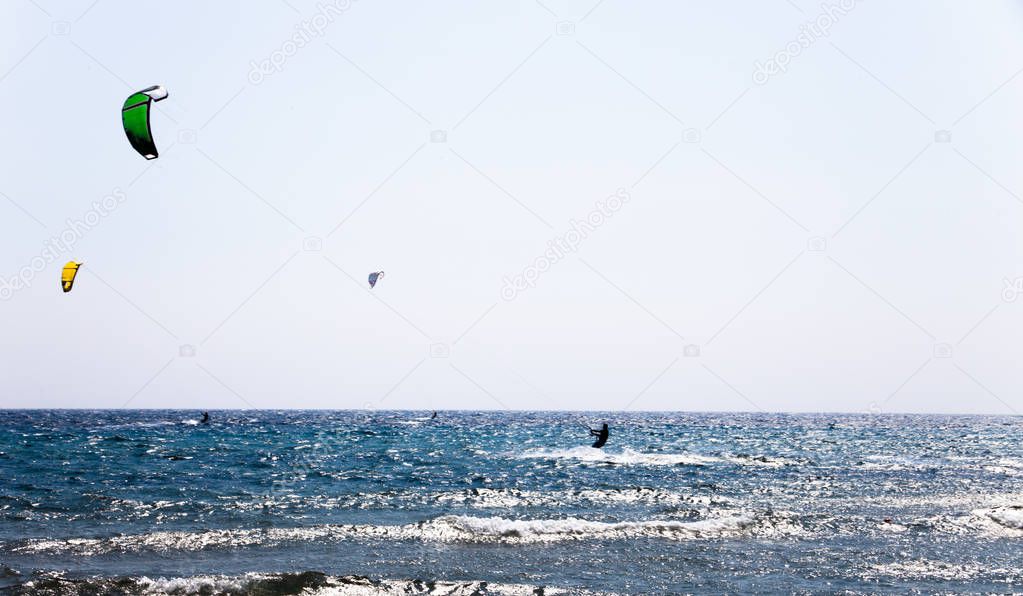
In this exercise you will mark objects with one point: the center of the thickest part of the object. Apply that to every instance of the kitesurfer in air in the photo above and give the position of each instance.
(601, 436)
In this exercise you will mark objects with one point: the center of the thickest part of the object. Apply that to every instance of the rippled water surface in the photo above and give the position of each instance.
(393, 502)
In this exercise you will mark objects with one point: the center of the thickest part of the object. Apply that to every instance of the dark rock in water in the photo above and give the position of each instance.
(289, 583)
(356, 580)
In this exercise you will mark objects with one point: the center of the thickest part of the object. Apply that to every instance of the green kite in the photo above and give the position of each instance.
(135, 116)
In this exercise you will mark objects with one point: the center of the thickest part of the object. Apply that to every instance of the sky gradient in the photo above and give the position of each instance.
(838, 234)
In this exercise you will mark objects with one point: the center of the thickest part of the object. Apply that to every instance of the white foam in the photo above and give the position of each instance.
(992, 522)
(969, 500)
(1006, 470)
(449, 528)
(630, 457)
(762, 461)
(507, 498)
(1008, 517)
(927, 569)
(404, 588)
(552, 530)
(318, 586)
(200, 584)
(626, 457)
(892, 527)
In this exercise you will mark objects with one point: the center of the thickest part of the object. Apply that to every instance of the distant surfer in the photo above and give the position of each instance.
(601, 435)
(434, 415)
(205, 417)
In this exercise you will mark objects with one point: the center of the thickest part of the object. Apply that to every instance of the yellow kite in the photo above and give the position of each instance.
(67, 276)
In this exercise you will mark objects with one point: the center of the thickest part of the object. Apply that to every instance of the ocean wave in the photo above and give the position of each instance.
(889, 463)
(1007, 466)
(1010, 518)
(103, 506)
(625, 458)
(760, 460)
(554, 530)
(962, 500)
(630, 457)
(937, 570)
(448, 528)
(309, 583)
(994, 522)
(1005, 470)
(508, 498)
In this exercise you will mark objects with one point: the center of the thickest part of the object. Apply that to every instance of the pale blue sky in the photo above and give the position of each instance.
(547, 108)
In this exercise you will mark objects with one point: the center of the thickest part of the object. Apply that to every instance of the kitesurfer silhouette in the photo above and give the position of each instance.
(601, 435)
(205, 417)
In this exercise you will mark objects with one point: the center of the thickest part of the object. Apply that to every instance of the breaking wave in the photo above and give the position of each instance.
(309, 583)
(625, 458)
(489, 498)
(939, 570)
(629, 457)
(993, 522)
(448, 528)
(1010, 518)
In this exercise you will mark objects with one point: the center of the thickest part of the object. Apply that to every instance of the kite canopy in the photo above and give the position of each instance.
(135, 116)
(67, 276)
(374, 277)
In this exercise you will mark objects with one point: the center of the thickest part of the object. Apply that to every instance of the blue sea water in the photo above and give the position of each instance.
(340, 502)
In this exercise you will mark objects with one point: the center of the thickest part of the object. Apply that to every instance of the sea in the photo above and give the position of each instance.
(397, 502)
